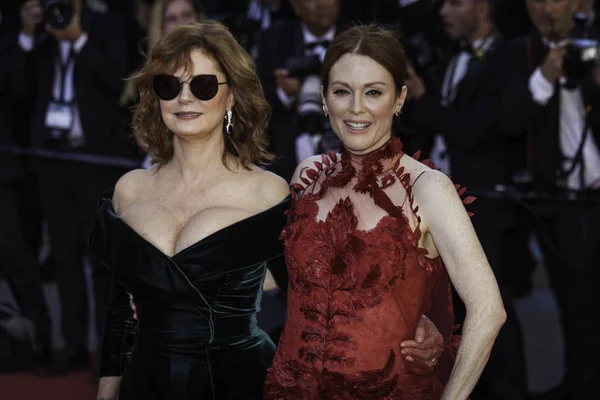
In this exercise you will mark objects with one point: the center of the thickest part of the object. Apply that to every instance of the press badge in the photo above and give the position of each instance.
(59, 116)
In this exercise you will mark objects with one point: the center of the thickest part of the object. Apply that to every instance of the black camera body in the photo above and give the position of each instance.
(303, 66)
(307, 69)
(309, 105)
(58, 13)
(582, 52)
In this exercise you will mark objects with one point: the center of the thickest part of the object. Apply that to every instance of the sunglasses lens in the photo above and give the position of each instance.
(166, 87)
(204, 87)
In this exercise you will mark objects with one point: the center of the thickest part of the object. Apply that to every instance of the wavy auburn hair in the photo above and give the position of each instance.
(251, 112)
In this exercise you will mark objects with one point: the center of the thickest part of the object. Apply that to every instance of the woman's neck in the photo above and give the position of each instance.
(379, 160)
(195, 159)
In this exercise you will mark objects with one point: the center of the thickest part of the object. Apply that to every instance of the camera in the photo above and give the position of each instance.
(303, 66)
(313, 126)
(57, 13)
(582, 51)
(309, 106)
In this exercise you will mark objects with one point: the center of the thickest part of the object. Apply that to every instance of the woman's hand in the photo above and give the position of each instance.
(428, 345)
(269, 283)
(132, 305)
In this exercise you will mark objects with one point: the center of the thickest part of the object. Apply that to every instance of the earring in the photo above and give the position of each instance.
(229, 117)
(325, 110)
(398, 110)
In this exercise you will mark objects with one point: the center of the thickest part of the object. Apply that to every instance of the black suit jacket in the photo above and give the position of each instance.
(282, 41)
(98, 78)
(11, 167)
(540, 124)
(470, 127)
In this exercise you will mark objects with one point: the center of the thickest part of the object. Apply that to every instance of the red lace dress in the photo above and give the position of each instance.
(358, 285)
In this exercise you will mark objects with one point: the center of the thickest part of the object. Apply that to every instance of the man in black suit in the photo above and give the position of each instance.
(76, 72)
(308, 35)
(18, 261)
(462, 111)
(557, 110)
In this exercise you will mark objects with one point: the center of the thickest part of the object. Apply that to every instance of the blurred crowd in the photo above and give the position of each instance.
(504, 96)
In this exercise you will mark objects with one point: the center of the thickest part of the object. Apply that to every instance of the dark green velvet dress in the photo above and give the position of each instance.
(196, 335)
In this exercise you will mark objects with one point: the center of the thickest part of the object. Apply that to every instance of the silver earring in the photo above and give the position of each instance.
(398, 111)
(229, 117)
(325, 110)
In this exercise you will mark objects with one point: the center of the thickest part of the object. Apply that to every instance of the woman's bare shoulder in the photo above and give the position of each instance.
(434, 193)
(270, 187)
(436, 196)
(129, 187)
(424, 178)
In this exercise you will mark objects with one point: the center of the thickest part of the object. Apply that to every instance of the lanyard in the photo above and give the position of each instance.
(450, 89)
(64, 67)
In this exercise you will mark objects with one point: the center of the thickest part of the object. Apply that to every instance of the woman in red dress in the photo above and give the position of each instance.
(372, 241)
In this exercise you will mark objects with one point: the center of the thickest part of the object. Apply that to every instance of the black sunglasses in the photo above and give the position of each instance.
(203, 87)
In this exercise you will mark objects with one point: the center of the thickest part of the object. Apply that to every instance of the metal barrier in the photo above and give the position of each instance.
(76, 157)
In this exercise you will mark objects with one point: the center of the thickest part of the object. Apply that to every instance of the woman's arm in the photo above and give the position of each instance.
(448, 223)
(108, 388)
(117, 341)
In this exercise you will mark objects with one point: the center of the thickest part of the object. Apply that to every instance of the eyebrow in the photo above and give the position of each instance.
(366, 84)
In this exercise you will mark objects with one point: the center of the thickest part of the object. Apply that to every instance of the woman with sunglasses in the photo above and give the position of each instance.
(190, 238)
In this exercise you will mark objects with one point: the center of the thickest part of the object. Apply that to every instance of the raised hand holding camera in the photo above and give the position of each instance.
(62, 19)
(32, 14)
(71, 33)
(552, 68)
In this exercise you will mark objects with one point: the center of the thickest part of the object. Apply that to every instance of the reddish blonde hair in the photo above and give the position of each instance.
(251, 112)
(372, 41)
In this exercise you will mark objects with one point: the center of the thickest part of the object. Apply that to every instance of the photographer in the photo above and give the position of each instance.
(74, 61)
(462, 112)
(18, 261)
(551, 100)
(286, 52)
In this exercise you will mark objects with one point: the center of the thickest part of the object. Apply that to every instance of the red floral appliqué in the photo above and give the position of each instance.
(343, 278)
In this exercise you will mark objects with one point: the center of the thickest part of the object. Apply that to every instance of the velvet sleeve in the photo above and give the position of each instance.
(119, 325)
(119, 332)
(279, 272)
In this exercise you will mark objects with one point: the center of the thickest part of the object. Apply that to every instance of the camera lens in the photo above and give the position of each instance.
(310, 105)
(58, 13)
(581, 52)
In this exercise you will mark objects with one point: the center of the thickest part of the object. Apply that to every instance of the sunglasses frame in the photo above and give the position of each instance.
(181, 83)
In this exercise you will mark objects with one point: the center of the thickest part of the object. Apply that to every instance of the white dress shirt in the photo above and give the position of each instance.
(571, 126)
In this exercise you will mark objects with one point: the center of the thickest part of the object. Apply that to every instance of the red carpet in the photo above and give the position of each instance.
(25, 386)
